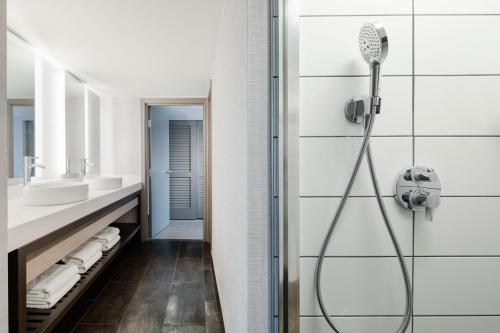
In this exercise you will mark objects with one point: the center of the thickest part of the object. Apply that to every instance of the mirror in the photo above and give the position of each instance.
(75, 124)
(20, 103)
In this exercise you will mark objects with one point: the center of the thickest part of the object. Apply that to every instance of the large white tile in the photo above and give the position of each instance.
(326, 164)
(457, 105)
(457, 45)
(452, 286)
(354, 286)
(329, 45)
(361, 230)
(461, 226)
(456, 325)
(352, 325)
(322, 102)
(466, 166)
(456, 7)
(355, 7)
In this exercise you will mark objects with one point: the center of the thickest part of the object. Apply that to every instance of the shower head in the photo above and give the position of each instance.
(373, 43)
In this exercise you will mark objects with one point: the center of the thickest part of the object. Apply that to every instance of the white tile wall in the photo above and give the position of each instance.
(457, 105)
(329, 45)
(361, 232)
(462, 227)
(456, 7)
(464, 286)
(466, 165)
(355, 7)
(352, 325)
(354, 286)
(457, 45)
(439, 109)
(322, 102)
(456, 325)
(326, 164)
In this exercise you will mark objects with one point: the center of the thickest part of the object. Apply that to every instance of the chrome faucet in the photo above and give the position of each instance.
(29, 164)
(83, 167)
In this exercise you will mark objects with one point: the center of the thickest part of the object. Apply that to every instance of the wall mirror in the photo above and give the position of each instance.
(20, 103)
(75, 123)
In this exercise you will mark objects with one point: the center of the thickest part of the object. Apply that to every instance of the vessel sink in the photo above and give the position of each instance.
(103, 182)
(54, 193)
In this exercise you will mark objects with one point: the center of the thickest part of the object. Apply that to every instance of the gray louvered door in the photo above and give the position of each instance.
(201, 156)
(183, 157)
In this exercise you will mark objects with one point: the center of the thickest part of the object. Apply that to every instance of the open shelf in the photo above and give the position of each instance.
(44, 320)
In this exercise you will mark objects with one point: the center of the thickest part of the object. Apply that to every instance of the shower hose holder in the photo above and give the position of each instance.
(418, 188)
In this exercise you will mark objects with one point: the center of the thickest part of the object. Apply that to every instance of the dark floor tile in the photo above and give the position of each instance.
(164, 260)
(210, 294)
(71, 319)
(186, 306)
(85, 328)
(183, 329)
(110, 306)
(189, 273)
(155, 284)
(213, 318)
(191, 250)
(145, 316)
(132, 270)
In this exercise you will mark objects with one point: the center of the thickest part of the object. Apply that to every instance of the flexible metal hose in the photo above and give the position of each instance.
(365, 148)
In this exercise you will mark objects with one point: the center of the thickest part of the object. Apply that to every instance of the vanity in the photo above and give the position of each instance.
(58, 198)
(40, 236)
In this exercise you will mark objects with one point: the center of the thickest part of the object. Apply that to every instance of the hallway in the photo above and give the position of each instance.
(159, 286)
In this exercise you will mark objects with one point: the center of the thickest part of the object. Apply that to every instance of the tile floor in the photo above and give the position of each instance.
(158, 286)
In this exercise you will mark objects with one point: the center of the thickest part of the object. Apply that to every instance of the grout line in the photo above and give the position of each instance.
(403, 136)
(448, 256)
(400, 75)
(413, 82)
(392, 196)
(398, 15)
(401, 316)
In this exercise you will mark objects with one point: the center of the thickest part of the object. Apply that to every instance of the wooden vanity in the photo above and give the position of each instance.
(30, 260)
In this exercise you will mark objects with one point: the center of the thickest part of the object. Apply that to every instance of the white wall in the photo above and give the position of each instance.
(50, 117)
(240, 188)
(93, 130)
(4, 313)
(120, 133)
(229, 167)
(430, 116)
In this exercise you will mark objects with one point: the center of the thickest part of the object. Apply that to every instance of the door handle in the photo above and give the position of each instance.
(168, 172)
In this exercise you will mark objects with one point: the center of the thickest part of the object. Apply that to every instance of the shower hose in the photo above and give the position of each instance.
(365, 148)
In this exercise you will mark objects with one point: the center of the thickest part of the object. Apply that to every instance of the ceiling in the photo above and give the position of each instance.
(126, 48)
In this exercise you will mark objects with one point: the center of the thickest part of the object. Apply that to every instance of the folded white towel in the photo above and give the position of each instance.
(108, 234)
(106, 246)
(49, 283)
(85, 265)
(47, 303)
(83, 254)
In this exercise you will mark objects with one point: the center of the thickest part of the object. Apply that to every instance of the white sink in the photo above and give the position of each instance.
(55, 193)
(103, 182)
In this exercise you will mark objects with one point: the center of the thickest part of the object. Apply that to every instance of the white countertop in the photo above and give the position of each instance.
(29, 223)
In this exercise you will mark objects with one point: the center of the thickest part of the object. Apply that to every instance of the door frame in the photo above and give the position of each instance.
(146, 103)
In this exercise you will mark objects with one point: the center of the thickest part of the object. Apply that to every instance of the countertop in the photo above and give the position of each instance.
(29, 223)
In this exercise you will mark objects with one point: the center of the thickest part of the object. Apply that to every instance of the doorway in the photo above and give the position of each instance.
(177, 165)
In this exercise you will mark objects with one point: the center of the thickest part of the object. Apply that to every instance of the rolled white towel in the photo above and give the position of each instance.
(84, 254)
(49, 283)
(84, 266)
(47, 303)
(106, 246)
(108, 234)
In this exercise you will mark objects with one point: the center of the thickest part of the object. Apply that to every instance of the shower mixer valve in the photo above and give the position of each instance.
(418, 189)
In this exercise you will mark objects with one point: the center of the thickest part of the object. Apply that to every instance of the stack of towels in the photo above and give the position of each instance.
(85, 256)
(108, 238)
(48, 288)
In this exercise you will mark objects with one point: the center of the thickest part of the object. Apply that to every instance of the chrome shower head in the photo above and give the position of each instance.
(373, 43)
